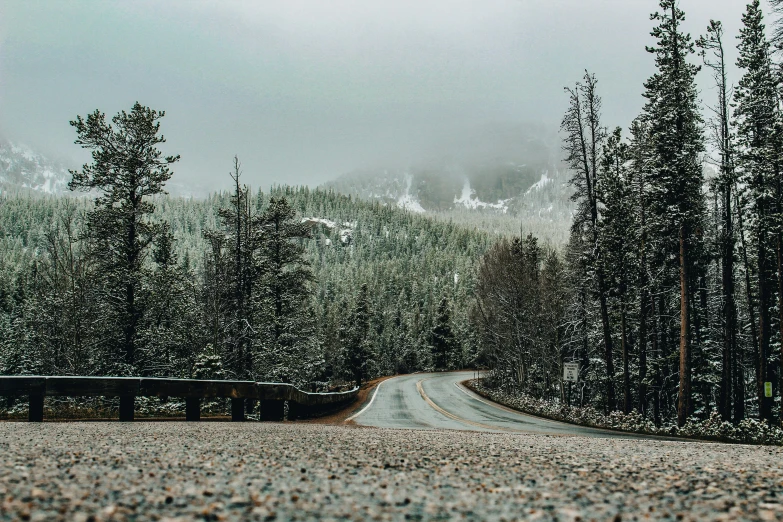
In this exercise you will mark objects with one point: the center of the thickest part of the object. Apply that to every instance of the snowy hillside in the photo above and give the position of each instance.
(499, 198)
(499, 178)
(23, 168)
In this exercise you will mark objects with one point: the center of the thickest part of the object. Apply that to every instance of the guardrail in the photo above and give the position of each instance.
(271, 396)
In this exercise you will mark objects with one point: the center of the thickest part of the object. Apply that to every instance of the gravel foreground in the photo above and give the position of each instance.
(259, 471)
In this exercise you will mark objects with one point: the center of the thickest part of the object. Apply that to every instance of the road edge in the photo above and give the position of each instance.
(669, 438)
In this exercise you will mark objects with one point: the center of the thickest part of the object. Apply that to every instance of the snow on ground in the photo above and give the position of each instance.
(24, 151)
(407, 201)
(326, 222)
(346, 234)
(468, 200)
(21, 167)
(541, 183)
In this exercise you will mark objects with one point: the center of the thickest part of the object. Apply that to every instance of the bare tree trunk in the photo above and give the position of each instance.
(729, 308)
(762, 372)
(626, 362)
(684, 396)
(739, 386)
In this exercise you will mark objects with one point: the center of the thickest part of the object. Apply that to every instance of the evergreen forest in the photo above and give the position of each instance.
(668, 292)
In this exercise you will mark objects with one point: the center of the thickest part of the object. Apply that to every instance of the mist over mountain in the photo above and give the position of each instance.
(21, 167)
(503, 179)
(24, 168)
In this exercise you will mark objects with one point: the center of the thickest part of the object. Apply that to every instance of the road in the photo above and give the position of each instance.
(439, 401)
(439, 453)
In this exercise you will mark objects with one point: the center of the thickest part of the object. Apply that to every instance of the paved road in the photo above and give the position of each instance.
(439, 401)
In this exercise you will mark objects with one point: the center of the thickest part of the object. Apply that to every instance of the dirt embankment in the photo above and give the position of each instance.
(339, 417)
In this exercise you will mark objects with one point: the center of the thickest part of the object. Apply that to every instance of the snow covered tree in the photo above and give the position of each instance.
(442, 339)
(758, 165)
(127, 169)
(172, 324)
(617, 240)
(677, 142)
(289, 351)
(732, 382)
(357, 347)
(584, 139)
(234, 245)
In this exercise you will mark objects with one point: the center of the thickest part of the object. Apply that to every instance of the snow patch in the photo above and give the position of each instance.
(407, 201)
(24, 151)
(346, 234)
(468, 200)
(541, 183)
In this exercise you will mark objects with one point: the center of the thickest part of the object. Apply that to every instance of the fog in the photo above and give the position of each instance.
(304, 91)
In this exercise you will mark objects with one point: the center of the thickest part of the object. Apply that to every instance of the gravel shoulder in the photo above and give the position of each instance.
(266, 471)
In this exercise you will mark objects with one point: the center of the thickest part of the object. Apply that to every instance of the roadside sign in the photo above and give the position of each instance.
(571, 371)
(767, 389)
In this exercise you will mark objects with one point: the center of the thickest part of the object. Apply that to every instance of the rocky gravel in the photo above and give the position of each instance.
(259, 471)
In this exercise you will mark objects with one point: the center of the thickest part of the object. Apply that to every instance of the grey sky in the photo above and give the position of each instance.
(302, 90)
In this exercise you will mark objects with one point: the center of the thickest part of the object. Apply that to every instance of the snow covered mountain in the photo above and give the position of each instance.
(23, 168)
(513, 178)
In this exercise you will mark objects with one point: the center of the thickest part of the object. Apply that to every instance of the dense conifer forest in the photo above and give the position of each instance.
(672, 298)
(377, 290)
(668, 293)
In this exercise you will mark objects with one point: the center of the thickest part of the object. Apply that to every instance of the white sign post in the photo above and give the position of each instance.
(571, 372)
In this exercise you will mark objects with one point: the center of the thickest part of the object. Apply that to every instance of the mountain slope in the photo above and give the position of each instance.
(23, 168)
(508, 179)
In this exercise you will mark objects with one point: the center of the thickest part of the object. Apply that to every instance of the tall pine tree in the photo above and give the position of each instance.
(677, 142)
(756, 114)
(127, 169)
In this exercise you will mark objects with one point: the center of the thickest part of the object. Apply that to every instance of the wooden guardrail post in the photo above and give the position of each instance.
(127, 407)
(36, 411)
(237, 409)
(193, 409)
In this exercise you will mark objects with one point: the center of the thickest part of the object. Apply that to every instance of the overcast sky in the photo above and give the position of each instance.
(303, 91)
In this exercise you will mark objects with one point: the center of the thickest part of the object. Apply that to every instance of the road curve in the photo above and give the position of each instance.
(439, 401)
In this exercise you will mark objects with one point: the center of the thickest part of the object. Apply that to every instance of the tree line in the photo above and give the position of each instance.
(296, 285)
(670, 291)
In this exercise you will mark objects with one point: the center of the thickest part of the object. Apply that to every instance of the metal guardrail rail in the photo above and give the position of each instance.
(271, 396)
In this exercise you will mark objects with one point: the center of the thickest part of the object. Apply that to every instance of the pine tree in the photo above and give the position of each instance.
(127, 169)
(676, 174)
(290, 350)
(583, 142)
(617, 228)
(172, 325)
(639, 155)
(714, 57)
(442, 338)
(234, 245)
(357, 348)
(755, 113)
